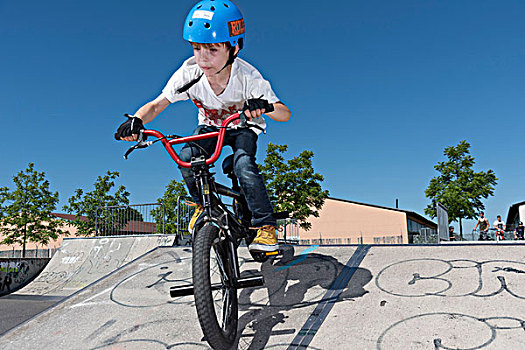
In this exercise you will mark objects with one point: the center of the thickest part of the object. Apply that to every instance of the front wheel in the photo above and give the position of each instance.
(215, 295)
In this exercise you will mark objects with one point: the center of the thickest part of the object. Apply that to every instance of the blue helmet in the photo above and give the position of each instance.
(214, 21)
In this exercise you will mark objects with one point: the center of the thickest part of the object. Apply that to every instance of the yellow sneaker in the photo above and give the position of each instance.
(198, 211)
(266, 240)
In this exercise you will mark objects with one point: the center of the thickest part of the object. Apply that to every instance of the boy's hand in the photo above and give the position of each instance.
(255, 107)
(128, 131)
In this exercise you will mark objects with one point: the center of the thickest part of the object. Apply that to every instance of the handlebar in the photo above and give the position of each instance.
(169, 141)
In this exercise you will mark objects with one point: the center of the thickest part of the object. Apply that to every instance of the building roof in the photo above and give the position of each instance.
(70, 217)
(410, 214)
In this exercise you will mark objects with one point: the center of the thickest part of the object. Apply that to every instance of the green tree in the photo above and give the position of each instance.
(293, 185)
(85, 205)
(25, 212)
(173, 190)
(459, 187)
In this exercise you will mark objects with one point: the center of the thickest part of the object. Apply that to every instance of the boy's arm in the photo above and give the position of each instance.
(150, 110)
(281, 113)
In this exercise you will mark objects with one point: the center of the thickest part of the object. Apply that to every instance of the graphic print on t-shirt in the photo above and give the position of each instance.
(217, 116)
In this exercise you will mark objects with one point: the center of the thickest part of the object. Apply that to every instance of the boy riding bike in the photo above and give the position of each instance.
(219, 84)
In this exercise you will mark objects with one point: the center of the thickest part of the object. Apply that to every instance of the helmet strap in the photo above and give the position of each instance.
(231, 58)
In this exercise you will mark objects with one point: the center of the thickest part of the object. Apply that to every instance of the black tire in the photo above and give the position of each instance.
(217, 309)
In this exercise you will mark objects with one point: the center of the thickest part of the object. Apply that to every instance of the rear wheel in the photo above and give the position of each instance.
(215, 295)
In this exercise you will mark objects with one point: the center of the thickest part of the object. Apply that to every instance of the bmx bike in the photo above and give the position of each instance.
(217, 234)
(483, 235)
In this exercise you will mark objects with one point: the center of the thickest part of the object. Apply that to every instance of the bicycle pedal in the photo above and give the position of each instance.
(181, 291)
(250, 281)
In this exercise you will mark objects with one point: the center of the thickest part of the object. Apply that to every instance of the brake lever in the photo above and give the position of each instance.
(245, 123)
(256, 126)
(140, 144)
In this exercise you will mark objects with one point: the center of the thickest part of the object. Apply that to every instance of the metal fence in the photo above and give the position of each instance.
(426, 236)
(184, 215)
(491, 235)
(30, 253)
(326, 241)
(131, 219)
(392, 238)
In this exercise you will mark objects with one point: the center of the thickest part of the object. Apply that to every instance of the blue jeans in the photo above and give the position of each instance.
(244, 145)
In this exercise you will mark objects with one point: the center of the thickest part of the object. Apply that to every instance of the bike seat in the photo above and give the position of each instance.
(227, 165)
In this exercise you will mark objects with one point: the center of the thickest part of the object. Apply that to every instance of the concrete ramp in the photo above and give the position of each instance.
(348, 297)
(81, 261)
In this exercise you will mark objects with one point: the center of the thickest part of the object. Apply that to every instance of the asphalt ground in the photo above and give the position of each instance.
(15, 309)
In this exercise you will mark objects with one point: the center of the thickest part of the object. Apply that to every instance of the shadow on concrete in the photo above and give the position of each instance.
(291, 282)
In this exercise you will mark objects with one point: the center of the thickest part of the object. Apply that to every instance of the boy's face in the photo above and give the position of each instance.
(210, 58)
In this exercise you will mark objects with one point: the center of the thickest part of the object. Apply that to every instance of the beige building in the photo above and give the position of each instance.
(31, 247)
(348, 222)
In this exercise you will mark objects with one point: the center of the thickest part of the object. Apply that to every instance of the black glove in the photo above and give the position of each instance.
(131, 126)
(258, 103)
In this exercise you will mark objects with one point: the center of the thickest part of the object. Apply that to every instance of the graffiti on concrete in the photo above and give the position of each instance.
(16, 273)
(433, 277)
(166, 240)
(156, 279)
(452, 331)
(298, 281)
(76, 266)
(119, 340)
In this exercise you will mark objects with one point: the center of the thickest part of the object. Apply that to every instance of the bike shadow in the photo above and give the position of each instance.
(291, 282)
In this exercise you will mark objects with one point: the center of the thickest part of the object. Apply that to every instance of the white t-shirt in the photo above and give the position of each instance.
(245, 82)
(499, 224)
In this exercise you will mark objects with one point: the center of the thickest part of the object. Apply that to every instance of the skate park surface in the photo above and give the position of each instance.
(314, 297)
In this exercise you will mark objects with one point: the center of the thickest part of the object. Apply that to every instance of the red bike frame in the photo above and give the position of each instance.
(168, 144)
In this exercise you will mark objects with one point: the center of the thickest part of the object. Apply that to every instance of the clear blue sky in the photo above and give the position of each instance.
(377, 90)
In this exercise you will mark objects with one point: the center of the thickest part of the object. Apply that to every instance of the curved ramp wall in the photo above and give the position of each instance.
(80, 261)
(18, 272)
